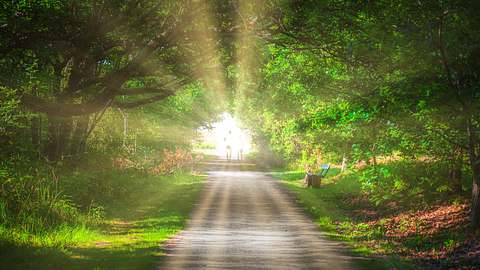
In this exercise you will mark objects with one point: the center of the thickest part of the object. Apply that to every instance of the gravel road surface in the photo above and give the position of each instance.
(246, 220)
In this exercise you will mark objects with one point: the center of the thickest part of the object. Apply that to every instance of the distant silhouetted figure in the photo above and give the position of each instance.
(240, 154)
(228, 142)
(229, 152)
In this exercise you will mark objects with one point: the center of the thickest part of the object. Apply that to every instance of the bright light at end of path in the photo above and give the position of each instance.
(228, 137)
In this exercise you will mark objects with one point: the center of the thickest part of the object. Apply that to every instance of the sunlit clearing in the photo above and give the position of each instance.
(228, 139)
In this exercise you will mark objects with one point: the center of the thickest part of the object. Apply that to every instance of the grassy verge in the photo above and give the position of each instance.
(330, 209)
(411, 216)
(137, 215)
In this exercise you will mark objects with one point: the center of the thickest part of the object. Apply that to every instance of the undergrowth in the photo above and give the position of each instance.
(88, 217)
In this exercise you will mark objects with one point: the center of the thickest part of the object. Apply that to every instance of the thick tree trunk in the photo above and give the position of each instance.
(59, 131)
(80, 132)
(64, 136)
(475, 165)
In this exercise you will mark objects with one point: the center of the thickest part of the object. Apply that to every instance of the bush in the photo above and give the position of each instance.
(405, 181)
(34, 202)
(92, 189)
(174, 160)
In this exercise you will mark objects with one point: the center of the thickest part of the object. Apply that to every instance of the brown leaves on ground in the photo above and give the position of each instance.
(461, 255)
(438, 237)
(427, 222)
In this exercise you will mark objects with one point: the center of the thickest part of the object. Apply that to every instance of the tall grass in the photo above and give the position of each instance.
(49, 217)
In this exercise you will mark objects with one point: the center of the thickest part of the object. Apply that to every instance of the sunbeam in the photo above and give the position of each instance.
(207, 55)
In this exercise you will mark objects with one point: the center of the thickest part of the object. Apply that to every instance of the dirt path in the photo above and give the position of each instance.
(245, 220)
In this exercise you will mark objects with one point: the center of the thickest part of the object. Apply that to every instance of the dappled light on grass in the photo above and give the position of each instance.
(129, 237)
(63, 236)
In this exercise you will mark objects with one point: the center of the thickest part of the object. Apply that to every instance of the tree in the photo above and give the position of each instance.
(71, 60)
(409, 66)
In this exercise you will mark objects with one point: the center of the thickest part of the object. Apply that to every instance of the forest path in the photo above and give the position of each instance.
(246, 220)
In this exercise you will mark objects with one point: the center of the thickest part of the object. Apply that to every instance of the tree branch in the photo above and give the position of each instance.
(141, 102)
(37, 104)
(138, 91)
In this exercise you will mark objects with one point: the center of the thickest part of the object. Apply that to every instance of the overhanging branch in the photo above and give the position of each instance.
(139, 91)
(37, 104)
(141, 102)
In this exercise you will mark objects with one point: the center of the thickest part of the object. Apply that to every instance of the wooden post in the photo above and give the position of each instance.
(344, 163)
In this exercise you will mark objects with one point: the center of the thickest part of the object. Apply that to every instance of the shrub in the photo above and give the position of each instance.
(173, 161)
(33, 201)
(404, 181)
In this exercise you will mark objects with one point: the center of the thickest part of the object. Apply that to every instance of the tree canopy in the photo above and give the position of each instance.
(345, 81)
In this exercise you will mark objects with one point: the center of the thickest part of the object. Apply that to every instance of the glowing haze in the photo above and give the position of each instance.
(227, 133)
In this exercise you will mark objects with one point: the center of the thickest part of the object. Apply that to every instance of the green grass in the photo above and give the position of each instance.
(322, 203)
(327, 207)
(129, 237)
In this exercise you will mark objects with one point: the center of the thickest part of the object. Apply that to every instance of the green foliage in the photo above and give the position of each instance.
(10, 111)
(50, 219)
(389, 87)
(32, 201)
(371, 82)
(406, 182)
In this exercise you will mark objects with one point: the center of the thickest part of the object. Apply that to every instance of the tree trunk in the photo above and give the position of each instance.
(475, 215)
(51, 147)
(456, 178)
(455, 171)
(374, 155)
(36, 127)
(475, 165)
(81, 127)
(59, 130)
(125, 127)
(135, 143)
(64, 135)
(344, 163)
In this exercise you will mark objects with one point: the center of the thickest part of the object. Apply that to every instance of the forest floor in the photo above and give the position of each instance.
(434, 237)
(129, 236)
